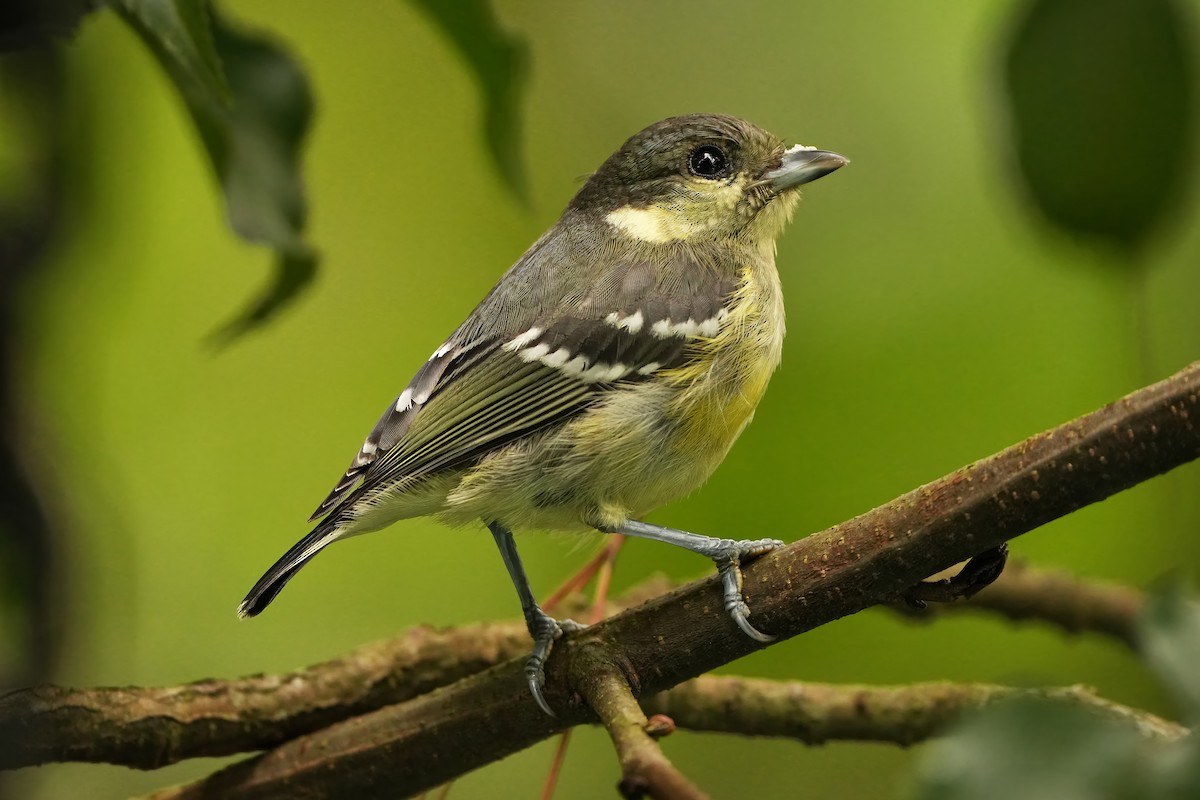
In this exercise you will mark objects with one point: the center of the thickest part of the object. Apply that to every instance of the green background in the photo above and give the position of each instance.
(933, 319)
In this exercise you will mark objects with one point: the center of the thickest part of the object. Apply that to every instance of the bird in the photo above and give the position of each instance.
(607, 373)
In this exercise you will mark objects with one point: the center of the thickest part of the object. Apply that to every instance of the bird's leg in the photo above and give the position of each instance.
(544, 628)
(727, 554)
(978, 573)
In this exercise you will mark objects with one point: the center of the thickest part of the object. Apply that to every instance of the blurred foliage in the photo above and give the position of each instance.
(1170, 639)
(251, 104)
(34, 205)
(1101, 97)
(28, 23)
(927, 326)
(498, 61)
(1044, 751)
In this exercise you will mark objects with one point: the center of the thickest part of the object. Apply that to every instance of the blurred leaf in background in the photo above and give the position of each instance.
(1047, 751)
(1101, 95)
(24, 23)
(251, 104)
(1170, 641)
(37, 187)
(498, 61)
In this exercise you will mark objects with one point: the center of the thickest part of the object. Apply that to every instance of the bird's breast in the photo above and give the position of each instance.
(724, 377)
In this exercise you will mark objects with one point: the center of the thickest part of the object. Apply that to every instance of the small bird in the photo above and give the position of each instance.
(607, 373)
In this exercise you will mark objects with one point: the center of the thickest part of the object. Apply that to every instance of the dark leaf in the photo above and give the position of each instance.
(36, 23)
(1101, 95)
(251, 104)
(180, 35)
(498, 61)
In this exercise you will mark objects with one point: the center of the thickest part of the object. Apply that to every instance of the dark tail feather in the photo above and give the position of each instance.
(282, 571)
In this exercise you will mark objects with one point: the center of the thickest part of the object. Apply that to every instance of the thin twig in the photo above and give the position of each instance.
(602, 567)
(645, 770)
(576, 581)
(1057, 597)
(604, 576)
(815, 713)
(560, 756)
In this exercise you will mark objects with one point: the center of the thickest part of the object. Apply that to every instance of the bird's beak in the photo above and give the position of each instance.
(803, 164)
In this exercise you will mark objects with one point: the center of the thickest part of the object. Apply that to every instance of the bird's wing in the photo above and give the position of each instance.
(481, 389)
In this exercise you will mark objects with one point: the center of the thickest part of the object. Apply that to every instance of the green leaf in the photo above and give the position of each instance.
(498, 60)
(1101, 95)
(1169, 637)
(1038, 750)
(1035, 751)
(180, 34)
(251, 103)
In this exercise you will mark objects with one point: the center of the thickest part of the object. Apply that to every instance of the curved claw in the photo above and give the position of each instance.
(735, 604)
(739, 616)
(727, 554)
(536, 678)
(545, 630)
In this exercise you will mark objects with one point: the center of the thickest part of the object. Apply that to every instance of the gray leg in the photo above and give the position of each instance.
(542, 627)
(726, 553)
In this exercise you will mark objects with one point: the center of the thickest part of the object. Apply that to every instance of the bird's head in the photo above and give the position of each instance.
(701, 176)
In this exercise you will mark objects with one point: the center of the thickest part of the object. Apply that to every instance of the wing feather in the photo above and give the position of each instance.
(487, 386)
(395, 421)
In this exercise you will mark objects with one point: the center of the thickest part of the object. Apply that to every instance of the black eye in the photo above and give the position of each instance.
(708, 161)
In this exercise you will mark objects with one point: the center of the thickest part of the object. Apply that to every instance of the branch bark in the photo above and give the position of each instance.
(868, 560)
(151, 727)
(645, 769)
(815, 713)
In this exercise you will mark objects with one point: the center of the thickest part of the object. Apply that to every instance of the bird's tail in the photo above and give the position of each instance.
(282, 571)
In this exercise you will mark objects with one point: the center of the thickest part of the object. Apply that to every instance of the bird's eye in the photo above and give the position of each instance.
(708, 161)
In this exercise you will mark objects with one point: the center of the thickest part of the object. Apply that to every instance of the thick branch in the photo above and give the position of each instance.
(645, 770)
(152, 727)
(815, 713)
(869, 560)
(149, 728)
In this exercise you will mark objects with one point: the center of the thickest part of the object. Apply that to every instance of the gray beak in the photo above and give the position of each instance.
(803, 164)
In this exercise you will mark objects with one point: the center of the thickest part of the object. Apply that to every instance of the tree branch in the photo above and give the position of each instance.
(149, 728)
(152, 727)
(869, 560)
(815, 713)
(645, 770)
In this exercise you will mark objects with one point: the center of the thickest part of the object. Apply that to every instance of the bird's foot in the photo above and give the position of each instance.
(545, 630)
(728, 557)
(727, 554)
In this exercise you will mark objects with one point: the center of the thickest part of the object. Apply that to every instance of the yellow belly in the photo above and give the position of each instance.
(726, 377)
(646, 444)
